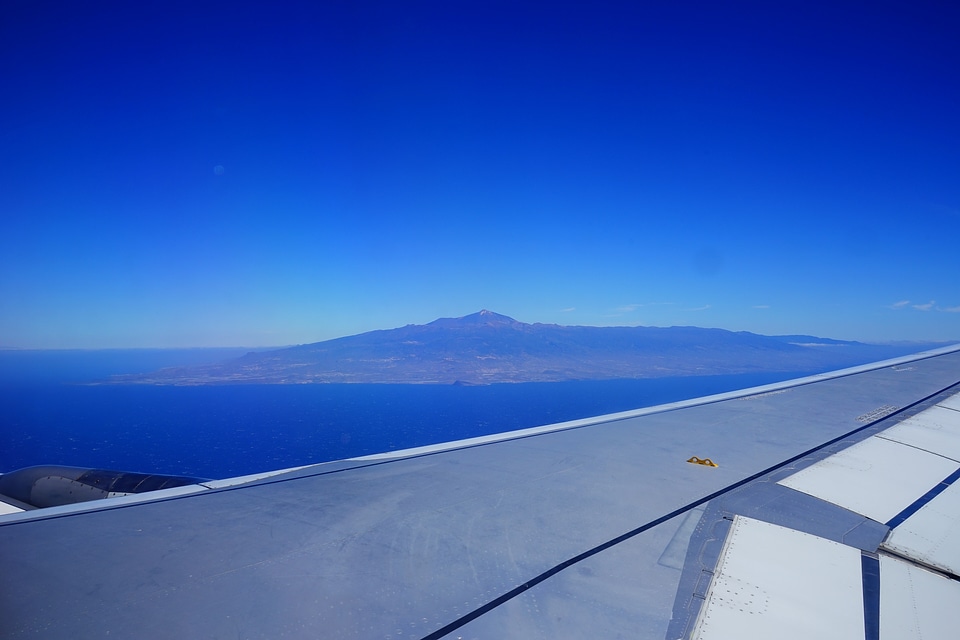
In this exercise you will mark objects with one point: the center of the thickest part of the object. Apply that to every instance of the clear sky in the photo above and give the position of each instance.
(204, 174)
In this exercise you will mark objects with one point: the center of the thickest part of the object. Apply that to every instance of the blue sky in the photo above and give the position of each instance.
(214, 174)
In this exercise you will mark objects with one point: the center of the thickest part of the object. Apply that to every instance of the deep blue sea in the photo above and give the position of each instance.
(49, 415)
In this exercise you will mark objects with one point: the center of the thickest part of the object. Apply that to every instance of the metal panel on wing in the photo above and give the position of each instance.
(876, 478)
(770, 578)
(953, 402)
(916, 603)
(932, 534)
(936, 430)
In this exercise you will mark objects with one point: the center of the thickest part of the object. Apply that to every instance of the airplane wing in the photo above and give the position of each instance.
(831, 512)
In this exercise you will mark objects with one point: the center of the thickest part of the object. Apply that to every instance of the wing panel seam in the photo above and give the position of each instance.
(880, 436)
(917, 504)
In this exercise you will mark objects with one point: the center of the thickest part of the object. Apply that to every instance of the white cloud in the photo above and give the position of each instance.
(568, 310)
(928, 306)
(761, 306)
(627, 308)
(703, 308)
(630, 308)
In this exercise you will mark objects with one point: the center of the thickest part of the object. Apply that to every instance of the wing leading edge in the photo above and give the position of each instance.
(596, 528)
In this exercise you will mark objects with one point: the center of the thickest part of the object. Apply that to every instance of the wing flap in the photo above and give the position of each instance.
(931, 536)
(877, 478)
(916, 603)
(769, 580)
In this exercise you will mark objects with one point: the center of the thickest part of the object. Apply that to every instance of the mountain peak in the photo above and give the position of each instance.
(484, 317)
(488, 317)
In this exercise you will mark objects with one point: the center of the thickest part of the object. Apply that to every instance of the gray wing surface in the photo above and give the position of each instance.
(596, 528)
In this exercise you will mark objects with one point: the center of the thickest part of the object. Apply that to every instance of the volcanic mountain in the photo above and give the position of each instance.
(486, 347)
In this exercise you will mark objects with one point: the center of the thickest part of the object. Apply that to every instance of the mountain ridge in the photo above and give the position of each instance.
(487, 347)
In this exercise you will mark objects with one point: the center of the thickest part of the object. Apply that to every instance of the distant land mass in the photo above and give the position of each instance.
(487, 348)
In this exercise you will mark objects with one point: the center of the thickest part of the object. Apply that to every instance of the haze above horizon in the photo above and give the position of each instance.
(221, 174)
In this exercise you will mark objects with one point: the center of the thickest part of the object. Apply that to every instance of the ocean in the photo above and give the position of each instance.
(50, 413)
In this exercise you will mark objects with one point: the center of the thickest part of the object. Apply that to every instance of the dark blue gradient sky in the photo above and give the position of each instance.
(200, 174)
